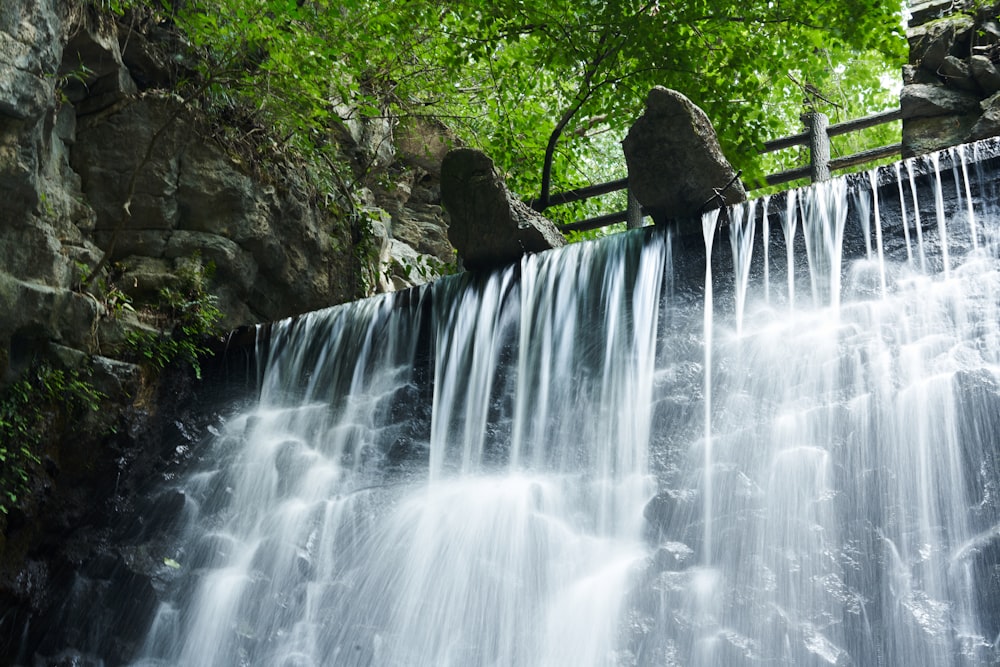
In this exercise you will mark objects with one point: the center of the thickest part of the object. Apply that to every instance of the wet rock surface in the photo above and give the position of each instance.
(91, 555)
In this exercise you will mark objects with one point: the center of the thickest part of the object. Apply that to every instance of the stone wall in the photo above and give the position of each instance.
(951, 86)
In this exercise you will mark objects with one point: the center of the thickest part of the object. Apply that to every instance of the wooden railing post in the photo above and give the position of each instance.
(819, 145)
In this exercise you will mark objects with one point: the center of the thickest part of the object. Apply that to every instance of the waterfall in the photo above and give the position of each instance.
(638, 451)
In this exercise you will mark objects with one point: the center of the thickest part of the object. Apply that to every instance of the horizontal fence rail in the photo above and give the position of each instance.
(816, 137)
(583, 193)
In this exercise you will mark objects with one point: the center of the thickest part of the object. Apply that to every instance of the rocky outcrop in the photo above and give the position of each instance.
(273, 248)
(90, 165)
(44, 223)
(951, 84)
(675, 164)
(399, 162)
(98, 156)
(95, 157)
(408, 218)
(489, 226)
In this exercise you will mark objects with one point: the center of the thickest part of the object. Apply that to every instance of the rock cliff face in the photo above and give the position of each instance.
(99, 157)
(95, 156)
(951, 91)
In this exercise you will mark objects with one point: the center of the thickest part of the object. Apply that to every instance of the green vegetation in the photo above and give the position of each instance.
(858, 85)
(184, 318)
(424, 267)
(44, 398)
(547, 89)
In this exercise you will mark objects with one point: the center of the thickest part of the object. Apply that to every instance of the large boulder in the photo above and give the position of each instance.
(988, 124)
(951, 77)
(986, 74)
(489, 226)
(675, 164)
(935, 133)
(932, 42)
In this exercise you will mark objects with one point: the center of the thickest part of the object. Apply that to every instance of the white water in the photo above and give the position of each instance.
(581, 461)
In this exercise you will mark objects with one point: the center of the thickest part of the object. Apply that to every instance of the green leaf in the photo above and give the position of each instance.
(503, 74)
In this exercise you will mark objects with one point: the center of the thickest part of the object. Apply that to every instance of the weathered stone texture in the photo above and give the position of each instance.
(30, 51)
(271, 248)
(675, 163)
(87, 160)
(988, 124)
(923, 100)
(489, 225)
(954, 51)
(94, 149)
(924, 135)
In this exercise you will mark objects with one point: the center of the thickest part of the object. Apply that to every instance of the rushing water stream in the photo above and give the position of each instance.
(587, 460)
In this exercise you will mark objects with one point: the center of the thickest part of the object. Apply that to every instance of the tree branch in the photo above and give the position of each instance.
(585, 92)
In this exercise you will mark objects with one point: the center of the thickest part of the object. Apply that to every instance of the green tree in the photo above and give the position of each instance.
(543, 86)
(573, 65)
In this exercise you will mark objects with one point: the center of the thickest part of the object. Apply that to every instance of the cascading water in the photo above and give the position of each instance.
(313, 545)
(579, 461)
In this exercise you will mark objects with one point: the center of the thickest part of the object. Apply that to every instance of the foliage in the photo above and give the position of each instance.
(423, 268)
(185, 317)
(116, 302)
(526, 79)
(365, 248)
(27, 411)
(111, 297)
(860, 84)
(598, 60)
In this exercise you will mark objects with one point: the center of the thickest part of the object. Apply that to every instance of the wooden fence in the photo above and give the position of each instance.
(816, 137)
